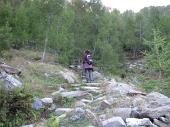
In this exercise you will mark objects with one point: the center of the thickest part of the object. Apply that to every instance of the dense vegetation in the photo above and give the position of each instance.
(67, 28)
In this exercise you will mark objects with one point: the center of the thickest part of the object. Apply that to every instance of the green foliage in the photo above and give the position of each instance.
(6, 55)
(53, 122)
(63, 59)
(157, 56)
(15, 108)
(5, 37)
(67, 102)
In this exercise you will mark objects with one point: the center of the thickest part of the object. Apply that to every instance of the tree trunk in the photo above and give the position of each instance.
(45, 46)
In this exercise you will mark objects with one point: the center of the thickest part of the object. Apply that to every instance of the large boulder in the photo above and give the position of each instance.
(69, 76)
(155, 100)
(156, 95)
(155, 113)
(9, 82)
(154, 105)
(114, 122)
(119, 88)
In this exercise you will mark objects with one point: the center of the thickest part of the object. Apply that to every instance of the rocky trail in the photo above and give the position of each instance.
(109, 104)
(104, 103)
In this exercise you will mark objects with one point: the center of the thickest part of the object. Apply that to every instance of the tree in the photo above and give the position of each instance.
(158, 49)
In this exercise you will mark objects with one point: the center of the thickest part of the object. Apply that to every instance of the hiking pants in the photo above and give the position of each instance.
(89, 76)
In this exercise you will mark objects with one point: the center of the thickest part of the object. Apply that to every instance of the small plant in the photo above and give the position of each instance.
(53, 122)
(67, 101)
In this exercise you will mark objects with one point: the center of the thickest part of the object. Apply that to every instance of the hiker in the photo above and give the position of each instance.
(87, 66)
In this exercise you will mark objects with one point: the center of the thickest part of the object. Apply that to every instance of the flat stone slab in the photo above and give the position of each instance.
(86, 101)
(93, 84)
(131, 122)
(60, 111)
(92, 89)
(114, 122)
(73, 94)
(47, 100)
(75, 85)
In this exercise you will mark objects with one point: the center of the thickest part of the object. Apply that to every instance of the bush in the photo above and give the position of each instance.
(6, 55)
(16, 108)
(63, 59)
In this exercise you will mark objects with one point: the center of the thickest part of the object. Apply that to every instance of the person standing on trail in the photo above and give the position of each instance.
(87, 66)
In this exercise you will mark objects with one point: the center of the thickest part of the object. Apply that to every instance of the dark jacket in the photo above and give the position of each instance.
(85, 62)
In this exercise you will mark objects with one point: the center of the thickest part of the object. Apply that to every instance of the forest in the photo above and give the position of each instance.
(65, 29)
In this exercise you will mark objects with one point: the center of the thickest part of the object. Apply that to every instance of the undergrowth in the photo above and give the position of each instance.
(16, 108)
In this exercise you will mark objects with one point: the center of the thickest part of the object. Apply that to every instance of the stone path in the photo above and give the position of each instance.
(111, 104)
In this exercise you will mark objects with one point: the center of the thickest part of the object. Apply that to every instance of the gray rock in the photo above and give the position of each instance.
(157, 102)
(8, 82)
(105, 104)
(133, 122)
(156, 95)
(60, 111)
(156, 112)
(68, 76)
(93, 84)
(91, 89)
(114, 122)
(86, 101)
(79, 113)
(72, 94)
(75, 117)
(119, 88)
(164, 120)
(47, 100)
(79, 110)
(122, 112)
(135, 112)
(160, 124)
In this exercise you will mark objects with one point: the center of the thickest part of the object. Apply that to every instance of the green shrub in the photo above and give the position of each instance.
(63, 59)
(15, 108)
(53, 122)
(6, 55)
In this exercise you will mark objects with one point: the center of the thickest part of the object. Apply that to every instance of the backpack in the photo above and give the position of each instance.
(89, 59)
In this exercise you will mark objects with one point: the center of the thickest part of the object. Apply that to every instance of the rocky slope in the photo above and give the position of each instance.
(104, 103)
